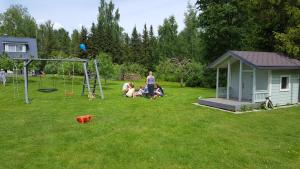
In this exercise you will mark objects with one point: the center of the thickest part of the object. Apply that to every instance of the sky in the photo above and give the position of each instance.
(72, 14)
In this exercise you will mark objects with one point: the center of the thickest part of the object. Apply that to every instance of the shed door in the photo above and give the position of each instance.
(247, 85)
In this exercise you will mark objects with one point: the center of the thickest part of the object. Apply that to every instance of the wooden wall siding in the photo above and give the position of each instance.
(261, 79)
(285, 97)
(246, 67)
(235, 80)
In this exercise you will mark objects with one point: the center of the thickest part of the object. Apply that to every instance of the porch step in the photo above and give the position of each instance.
(217, 105)
(225, 104)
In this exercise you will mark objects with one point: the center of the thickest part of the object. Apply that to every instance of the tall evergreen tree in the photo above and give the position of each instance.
(108, 31)
(63, 41)
(93, 41)
(46, 41)
(189, 39)
(146, 51)
(126, 48)
(153, 48)
(83, 39)
(75, 42)
(168, 38)
(136, 47)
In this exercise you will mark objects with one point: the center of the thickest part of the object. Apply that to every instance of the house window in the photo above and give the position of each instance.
(284, 83)
(15, 47)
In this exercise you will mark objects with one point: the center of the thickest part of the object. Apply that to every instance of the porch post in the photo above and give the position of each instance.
(25, 74)
(270, 82)
(240, 80)
(254, 85)
(217, 83)
(228, 78)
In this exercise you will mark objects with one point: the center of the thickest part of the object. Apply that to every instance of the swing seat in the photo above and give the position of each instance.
(69, 93)
(47, 90)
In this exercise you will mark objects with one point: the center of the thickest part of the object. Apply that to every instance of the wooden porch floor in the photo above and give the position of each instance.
(231, 105)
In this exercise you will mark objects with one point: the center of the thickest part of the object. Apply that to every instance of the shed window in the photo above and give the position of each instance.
(284, 83)
(15, 47)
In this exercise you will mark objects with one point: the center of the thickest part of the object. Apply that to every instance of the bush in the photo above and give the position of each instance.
(195, 75)
(105, 65)
(6, 63)
(134, 68)
(165, 71)
(64, 67)
(117, 72)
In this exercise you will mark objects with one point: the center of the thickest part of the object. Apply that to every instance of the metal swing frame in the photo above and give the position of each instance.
(26, 63)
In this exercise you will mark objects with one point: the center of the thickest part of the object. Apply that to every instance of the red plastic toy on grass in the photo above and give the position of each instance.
(83, 119)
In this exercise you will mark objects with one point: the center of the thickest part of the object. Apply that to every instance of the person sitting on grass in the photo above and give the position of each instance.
(158, 92)
(126, 87)
(3, 77)
(131, 90)
(140, 92)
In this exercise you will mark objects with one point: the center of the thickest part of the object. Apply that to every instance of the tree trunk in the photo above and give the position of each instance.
(181, 82)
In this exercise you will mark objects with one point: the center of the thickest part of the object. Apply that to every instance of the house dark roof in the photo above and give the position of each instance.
(262, 60)
(31, 42)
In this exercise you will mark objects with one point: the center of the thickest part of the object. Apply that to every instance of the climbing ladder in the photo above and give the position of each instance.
(94, 78)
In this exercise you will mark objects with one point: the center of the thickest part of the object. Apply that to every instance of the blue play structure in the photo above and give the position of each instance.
(82, 47)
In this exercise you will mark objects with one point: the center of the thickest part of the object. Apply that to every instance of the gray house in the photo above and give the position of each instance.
(18, 47)
(253, 76)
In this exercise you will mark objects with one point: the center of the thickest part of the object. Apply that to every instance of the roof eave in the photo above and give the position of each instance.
(279, 67)
(229, 53)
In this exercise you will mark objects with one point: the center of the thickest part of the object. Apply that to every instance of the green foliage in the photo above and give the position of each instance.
(212, 27)
(93, 41)
(195, 75)
(6, 63)
(132, 68)
(108, 32)
(16, 21)
(64, 68)
(75, 42)
(136, 48)
(249, 25)
(167, 37)
(117, 72)
(220, 26)
(46, 39)
(175, 69)
(165, 71)
(62, 41)
(289, 42)
(83, 38)
(146, 50)
(189, 39)
(166, 133)
(106, 66)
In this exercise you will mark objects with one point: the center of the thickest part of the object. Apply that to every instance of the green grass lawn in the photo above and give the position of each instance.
(169, 132)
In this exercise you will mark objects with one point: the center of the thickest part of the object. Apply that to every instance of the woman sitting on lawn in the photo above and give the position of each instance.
(140, 92)
(126, 87)
(158, 92)
(131, 90)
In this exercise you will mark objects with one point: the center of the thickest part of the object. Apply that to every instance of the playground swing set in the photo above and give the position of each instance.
(86, 82)
(53, 88)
